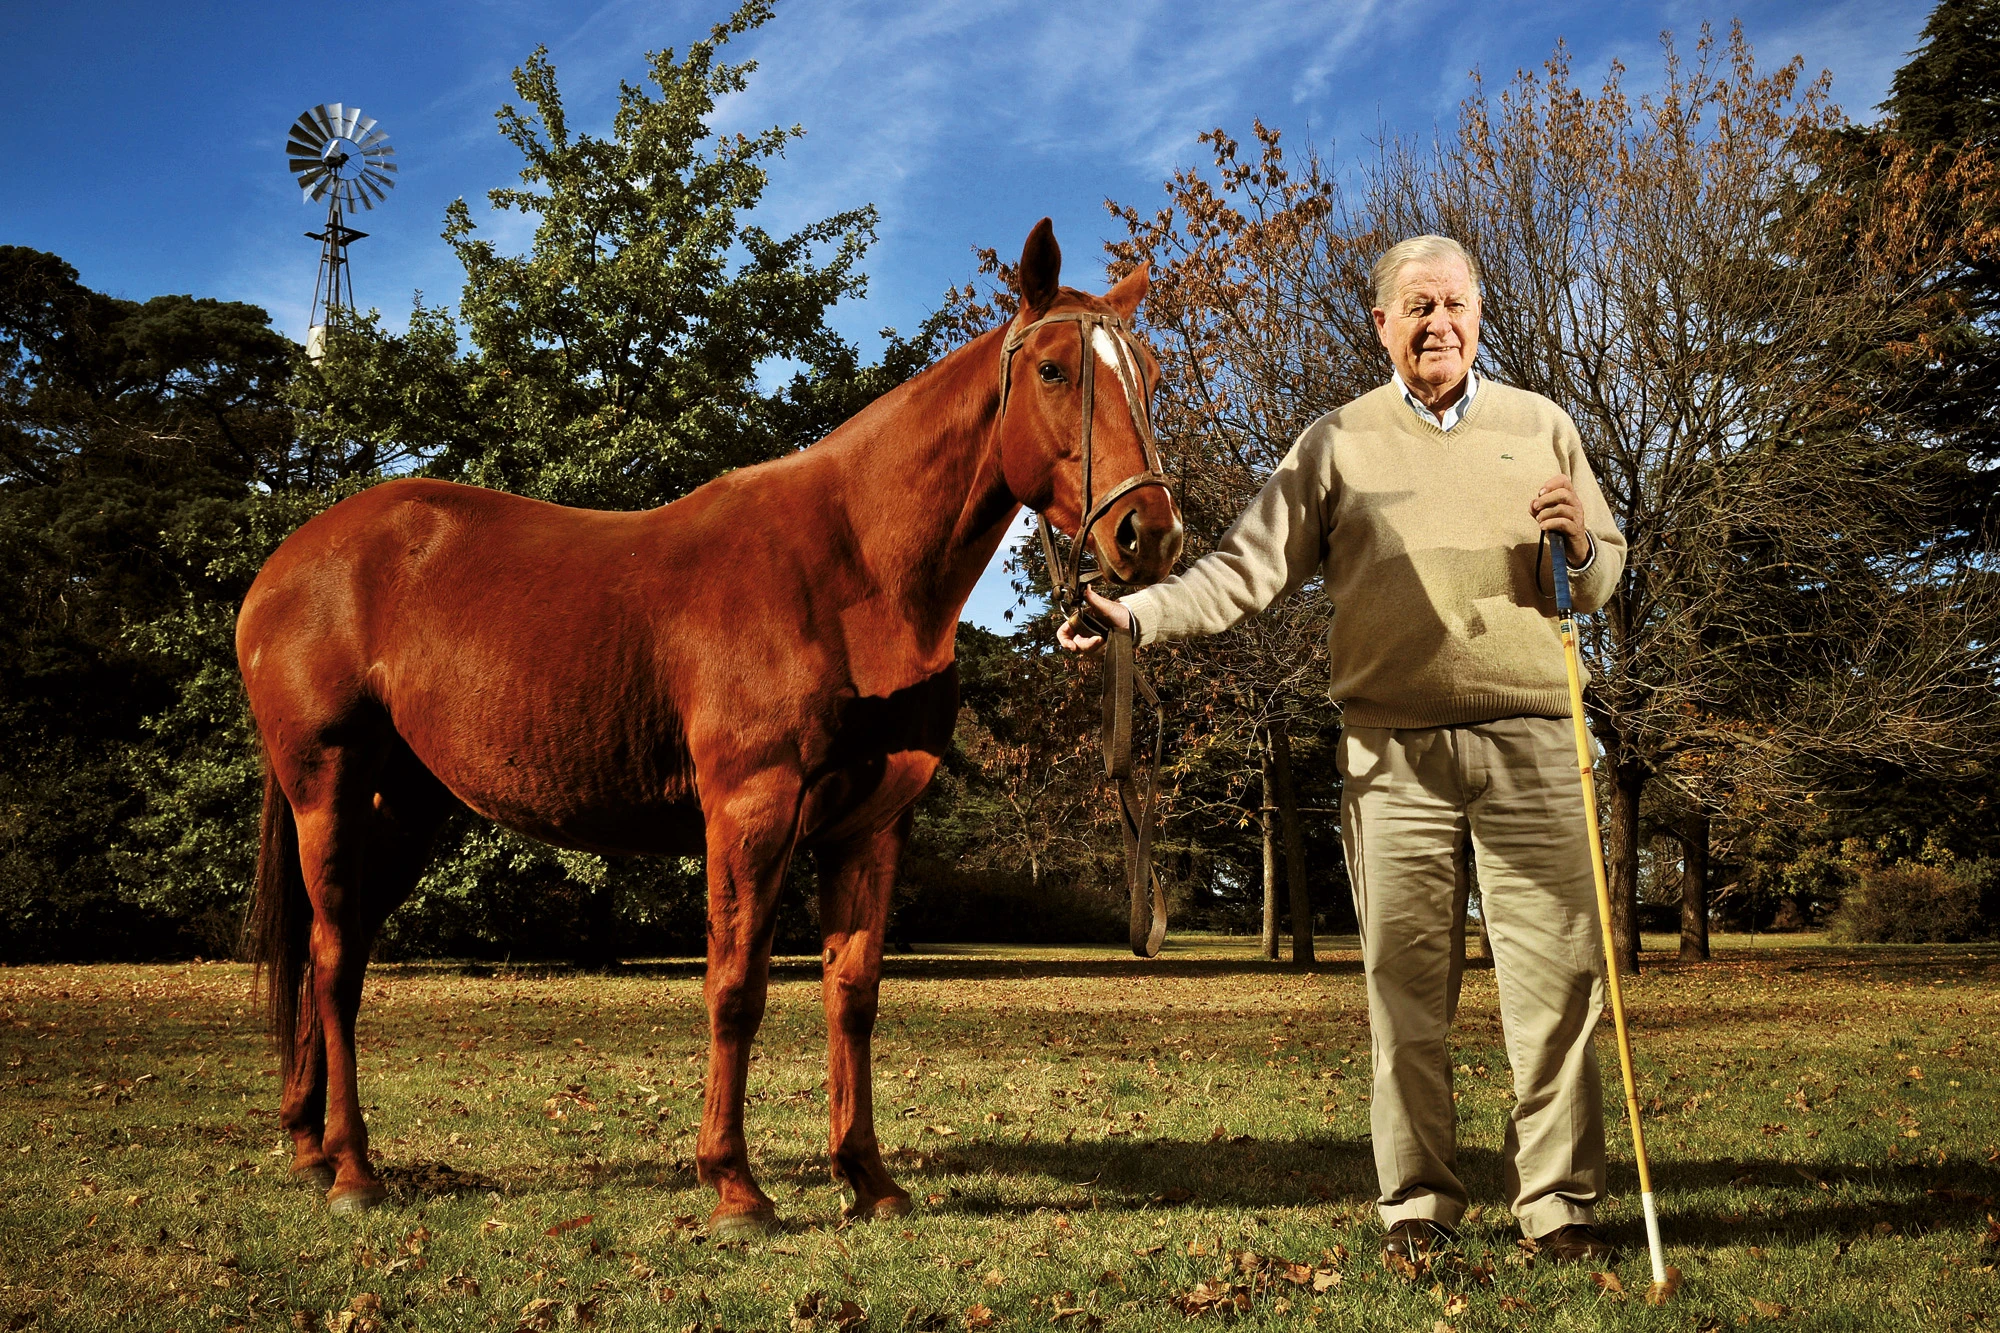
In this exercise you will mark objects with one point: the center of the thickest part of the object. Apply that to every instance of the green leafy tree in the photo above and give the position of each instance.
(126, 429)
(621, 361)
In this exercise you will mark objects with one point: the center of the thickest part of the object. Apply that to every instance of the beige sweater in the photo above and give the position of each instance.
(1428, 554)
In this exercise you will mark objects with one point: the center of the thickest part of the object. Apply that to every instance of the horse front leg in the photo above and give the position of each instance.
(750, 838)
(856, 884)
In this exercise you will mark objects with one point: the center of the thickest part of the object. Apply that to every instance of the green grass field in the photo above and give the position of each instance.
(1093, 1141)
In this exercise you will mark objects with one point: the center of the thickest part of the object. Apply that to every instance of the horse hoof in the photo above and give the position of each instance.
(318, 1175)
(358, 1199)
(895, 1205)
(752, 1225)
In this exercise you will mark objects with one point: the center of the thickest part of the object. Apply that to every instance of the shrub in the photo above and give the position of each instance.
(1914, 903)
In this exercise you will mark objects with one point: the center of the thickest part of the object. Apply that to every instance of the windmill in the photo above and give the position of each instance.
(338, 155)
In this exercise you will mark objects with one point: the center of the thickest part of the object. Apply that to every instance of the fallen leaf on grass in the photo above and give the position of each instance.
(1515, 1305)
(462, 1283)
(1407, 1269)
(1220, 1297)
(1769, 1309)
(1609, 1284)
(1659, 1293)
(540, 1314)
(848, 1315)
(1324, 1280)
(1991, 1240)
(1456, 1304)
(1150, 1249)
(994, 1277)
(571, 1225)
(978, 1317)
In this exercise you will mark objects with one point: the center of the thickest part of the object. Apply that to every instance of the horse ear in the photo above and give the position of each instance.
(1041, 266)
(1131, 289)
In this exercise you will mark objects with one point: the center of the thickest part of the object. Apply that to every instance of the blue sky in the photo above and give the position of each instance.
(144, 142)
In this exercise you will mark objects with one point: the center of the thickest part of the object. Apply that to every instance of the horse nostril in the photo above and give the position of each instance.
(1128, 532)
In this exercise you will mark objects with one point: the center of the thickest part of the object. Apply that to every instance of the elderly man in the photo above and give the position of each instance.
(1423, 506)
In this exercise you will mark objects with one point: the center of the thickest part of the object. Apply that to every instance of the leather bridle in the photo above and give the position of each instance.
(1148, 925)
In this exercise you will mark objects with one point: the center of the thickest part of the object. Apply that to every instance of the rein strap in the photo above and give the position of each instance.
(1148, 929)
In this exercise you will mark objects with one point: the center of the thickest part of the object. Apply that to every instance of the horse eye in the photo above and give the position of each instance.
(1052, 373)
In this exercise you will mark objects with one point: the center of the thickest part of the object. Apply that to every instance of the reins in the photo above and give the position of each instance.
(1122, 676)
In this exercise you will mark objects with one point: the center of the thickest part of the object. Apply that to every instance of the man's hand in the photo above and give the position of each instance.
(1108, 611)
(1556, 509)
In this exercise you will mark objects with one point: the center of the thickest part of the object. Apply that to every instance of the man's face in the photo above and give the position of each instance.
(1431, 327)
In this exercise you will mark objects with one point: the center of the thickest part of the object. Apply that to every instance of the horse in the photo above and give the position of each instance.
(761, 666)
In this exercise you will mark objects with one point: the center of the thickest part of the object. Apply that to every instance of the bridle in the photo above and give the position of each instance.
(1069, 578)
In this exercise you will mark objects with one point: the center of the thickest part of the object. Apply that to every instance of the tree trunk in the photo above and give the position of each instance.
(1268, 820)
(1694, 889)
(1628, 784)
(1295, 844)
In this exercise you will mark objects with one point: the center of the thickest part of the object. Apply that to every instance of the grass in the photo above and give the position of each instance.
(1092, 1141)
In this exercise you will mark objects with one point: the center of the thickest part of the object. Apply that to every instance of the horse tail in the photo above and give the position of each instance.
(278, 930)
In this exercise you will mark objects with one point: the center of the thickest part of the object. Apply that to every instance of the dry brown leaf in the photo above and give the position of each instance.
(978, 1317)
(571, 1225)
(848, 1315)
(1515, 1305)
(1456, 1304)
(1608, 1283)
(1769, 1309)
(1659, 1293)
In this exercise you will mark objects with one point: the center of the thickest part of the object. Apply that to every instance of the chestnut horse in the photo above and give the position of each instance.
(763, 665)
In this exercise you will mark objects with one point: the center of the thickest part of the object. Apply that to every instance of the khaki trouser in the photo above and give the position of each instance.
(1411, 798)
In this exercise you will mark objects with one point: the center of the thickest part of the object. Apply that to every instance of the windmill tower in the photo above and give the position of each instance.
(338, 155)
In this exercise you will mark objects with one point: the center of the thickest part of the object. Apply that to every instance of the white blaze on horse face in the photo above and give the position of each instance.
(1108, 350)
(1119, 358)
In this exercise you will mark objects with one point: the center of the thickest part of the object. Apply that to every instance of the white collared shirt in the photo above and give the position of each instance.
(1453, 414)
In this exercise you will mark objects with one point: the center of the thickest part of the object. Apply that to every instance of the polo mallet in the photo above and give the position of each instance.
(1665, 1279)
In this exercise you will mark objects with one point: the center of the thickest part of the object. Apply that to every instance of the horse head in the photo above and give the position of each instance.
(1076, 427)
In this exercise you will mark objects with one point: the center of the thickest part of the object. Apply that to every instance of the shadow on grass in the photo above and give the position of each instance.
(1762, 1201)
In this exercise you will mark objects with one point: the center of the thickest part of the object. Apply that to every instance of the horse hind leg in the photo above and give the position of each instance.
(363, 841)
(856, 884)
(750, 837)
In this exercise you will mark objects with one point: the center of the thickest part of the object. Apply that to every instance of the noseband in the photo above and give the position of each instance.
(1068, 578)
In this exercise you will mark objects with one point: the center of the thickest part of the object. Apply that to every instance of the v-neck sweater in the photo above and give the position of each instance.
(1427, 551)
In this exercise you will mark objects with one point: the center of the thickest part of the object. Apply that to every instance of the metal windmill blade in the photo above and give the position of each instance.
(335, 152)
(342, 157)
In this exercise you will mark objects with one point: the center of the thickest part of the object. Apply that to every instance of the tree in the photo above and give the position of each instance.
(121, 425)
(1660, 271)
(616, 363)
(1803, 601)
(1949, 92)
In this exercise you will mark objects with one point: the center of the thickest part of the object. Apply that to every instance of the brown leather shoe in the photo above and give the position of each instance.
(1576, 1243)
(1407, 1249)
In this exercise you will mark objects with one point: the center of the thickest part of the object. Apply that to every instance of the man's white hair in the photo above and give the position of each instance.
(1417, 250)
